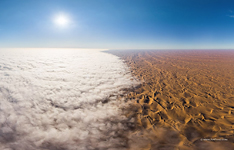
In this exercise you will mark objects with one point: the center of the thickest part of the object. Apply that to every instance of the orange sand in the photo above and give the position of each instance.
(186, 99)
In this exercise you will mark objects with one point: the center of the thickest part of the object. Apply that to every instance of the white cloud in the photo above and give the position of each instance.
(53, 99)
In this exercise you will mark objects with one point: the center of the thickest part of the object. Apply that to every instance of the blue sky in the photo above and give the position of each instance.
(118, 24)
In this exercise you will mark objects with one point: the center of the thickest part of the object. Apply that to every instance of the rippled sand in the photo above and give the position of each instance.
(185, 101)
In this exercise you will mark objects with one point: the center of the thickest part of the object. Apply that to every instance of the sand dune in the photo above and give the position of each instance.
(185, 101)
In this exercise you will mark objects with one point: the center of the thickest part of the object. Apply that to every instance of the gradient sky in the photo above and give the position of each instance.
(118, 24)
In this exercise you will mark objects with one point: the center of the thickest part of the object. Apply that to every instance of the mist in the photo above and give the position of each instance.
(62, 99)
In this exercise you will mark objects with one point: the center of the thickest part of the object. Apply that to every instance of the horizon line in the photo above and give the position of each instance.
(85, 48)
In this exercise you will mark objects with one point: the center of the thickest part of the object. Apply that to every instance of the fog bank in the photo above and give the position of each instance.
(62, 99)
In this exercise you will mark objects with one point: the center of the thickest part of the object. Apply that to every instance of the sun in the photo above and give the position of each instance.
(61, 20)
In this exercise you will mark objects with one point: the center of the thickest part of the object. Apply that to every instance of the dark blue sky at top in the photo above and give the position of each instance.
(118, 24)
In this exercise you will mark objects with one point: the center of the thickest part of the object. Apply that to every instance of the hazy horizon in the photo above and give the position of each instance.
(93, 48)
(120, 24)
(116, 74)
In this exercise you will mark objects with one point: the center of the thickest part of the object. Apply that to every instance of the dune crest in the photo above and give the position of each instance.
(186, 99)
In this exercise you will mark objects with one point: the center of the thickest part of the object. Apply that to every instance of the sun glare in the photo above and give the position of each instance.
(61, 20)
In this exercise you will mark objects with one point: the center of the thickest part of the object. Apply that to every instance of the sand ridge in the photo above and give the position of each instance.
(186, 99)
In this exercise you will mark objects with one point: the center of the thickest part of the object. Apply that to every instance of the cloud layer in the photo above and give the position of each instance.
(62, 99)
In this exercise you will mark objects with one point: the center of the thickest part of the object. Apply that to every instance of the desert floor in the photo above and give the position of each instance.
(186, 99)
